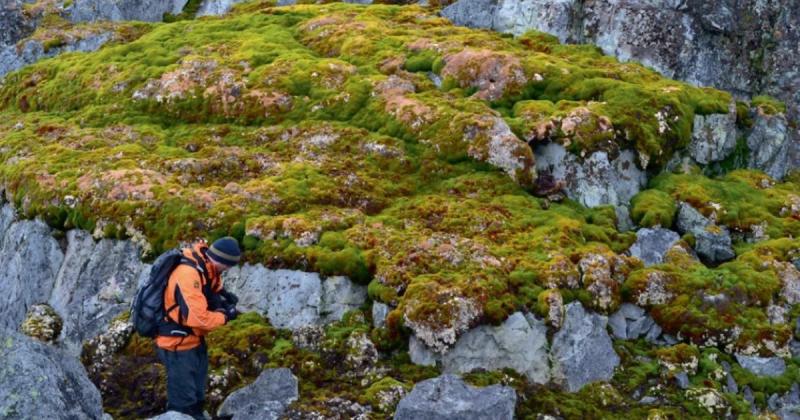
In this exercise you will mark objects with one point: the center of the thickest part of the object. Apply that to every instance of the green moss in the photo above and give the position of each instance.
(652, 208)
(769, 105)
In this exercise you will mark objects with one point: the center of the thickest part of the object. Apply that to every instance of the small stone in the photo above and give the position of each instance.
(379, 313)
(682, 380)
(762, 366)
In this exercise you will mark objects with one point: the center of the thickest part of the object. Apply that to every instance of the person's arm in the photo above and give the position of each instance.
(193, 307)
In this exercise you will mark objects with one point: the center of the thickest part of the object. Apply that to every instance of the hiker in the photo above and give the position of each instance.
(195, 303)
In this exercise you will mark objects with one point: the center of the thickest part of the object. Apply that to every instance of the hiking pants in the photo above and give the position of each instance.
(186, 379)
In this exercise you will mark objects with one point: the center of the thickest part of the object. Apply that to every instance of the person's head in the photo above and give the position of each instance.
(224, 253)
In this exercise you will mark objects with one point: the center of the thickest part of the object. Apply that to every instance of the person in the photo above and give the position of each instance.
(195, 303)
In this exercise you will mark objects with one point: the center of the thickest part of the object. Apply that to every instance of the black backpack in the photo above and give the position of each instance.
(147, 311)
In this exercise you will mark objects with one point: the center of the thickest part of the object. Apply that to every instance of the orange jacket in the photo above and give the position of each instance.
(185, 287)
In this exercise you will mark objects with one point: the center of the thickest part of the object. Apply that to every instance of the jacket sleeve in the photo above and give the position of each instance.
(193, 305)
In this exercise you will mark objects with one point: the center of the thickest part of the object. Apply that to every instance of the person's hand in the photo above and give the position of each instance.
(230, 313)
(229, 297)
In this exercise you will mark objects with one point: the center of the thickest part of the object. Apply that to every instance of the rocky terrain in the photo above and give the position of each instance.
(438, 221)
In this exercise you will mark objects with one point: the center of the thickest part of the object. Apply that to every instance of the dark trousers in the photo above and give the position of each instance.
(186, 379)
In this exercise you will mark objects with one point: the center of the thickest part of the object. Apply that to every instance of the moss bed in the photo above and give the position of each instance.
(388, 145)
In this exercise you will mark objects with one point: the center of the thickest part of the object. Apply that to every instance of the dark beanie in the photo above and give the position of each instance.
(225, 250)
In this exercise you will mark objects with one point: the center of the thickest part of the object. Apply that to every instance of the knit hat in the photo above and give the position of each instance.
(225, 251)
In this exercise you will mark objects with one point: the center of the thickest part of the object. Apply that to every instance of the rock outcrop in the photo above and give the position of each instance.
(144, 10)
(31, 258)
(747, 48)
(14, 57)
(266, 398)
(38, 381)
(520, 343)
(448, 397)
(96, 283)
(594, 181)
(293, 299)
(581, 351)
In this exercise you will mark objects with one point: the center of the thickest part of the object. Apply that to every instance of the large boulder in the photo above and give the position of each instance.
(652, 245)
(30, 258)
(713, 137)
(582, 351)
(520, 343)
(266, 398)
(38, 381)
(95, 284)
(597, 180)
(448, 397)
(293, 299)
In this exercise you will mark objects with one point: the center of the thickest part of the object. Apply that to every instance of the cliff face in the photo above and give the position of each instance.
(747, 47)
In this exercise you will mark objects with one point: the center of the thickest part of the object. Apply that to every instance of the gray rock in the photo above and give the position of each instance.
(172, 415)
(714, 246)
(31, 259)
(640, 327)
(712, 242)
(38, 381)
(96, 283)
(420, 354)
(31, 51)
(14, 22)
(713, 137)
(731, 386)
(652, 244)
(769, 144)
(340, 295)
(690, 220)
(682, 380)
(631, 322)
(144, 10)
(379, 313)
(472, 13)
(597, 180)
(581, 351)
(786, 406)
(266, 398)
(448, 397)
(762, 366)
(293, 299)
(556, 17)
(520, 343)
(216, 7)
